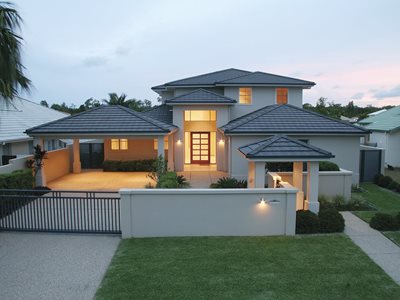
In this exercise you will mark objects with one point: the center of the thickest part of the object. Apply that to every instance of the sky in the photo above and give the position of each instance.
(75, 50)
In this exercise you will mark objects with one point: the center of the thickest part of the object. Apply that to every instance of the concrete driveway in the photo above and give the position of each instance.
(53, 266)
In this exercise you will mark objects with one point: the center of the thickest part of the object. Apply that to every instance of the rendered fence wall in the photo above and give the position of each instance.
(207, 212)
(14, 164)
(331, 183)
(57, 164)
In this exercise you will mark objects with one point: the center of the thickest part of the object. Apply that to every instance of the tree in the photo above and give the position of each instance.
(114, 99)
(12, 78)
(44, 103)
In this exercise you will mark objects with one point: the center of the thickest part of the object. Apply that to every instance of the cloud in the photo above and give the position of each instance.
(357, 96)
(94, 61)
(394, 92)
(336, 87)
(122, 50)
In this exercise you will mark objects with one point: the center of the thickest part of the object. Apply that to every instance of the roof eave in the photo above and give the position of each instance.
(266, 84)
(199, 103)
(227, 132)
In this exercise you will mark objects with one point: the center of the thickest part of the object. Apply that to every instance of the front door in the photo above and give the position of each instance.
(200, 148)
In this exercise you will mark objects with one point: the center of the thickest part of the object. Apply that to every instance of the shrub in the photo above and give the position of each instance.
(377, 178)
(383, 222)
(171, 180)
(325, 202)
(393, 186)
(20, 179)
(279, 166)
(328, 166)
(306, 222)
(145, 165)
(397, 218)
(330, 220)
(229, 183)
(338, 201)
(384, 181)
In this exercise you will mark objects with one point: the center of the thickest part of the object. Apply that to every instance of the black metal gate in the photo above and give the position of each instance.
(370, 164)
(60, 211)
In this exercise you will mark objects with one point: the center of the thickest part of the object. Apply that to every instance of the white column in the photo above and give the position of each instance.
(1, 154)
(76, 166)
(312, 186)
(171, 152)
(259, 178)
(160, 151)
(251, 175)
(298, 183)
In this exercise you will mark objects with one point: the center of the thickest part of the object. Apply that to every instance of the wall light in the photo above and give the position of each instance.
(178, 142)
(221, 142)
(264, 202)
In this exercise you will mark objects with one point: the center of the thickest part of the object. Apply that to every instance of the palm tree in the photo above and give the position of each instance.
(114, 99)
(12, 78)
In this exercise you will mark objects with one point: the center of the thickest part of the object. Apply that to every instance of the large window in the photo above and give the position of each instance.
(119, 144)
(200, 115)
(281, 96)
(155, 141)
(245, 95)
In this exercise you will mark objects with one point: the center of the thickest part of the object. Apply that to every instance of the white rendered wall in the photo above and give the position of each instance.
(207, 212)
(393, 150)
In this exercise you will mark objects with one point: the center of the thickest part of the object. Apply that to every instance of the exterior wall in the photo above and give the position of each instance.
(137, 149)
(331, 183)
(20, 148)
(345, 148)
(57, 164)
(207, 212)
(18, 163)
(390, 141)
(178, 120)
(181, 91)
(261, 97)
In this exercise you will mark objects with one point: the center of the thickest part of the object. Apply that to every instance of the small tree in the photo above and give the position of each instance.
(159, 169)
(37, 163)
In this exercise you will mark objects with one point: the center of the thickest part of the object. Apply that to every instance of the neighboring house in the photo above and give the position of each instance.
(385, 132)
(206, 119)
(15, 117)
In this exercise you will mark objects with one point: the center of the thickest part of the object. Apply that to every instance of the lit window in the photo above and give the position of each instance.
(119, 144)
(281, 96)
(165, 143)
(200, 115)
(245, 95)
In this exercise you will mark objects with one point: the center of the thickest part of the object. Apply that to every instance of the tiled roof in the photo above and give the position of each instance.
(260, 78)
(288, 119)
(201, 96)
(161, 112)
(20, 114)
(102, 120)
(234, 77)
(283, 147)
(385, 121)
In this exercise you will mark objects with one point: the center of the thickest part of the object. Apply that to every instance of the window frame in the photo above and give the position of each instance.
(276, 95)
(251, 95)
(119, 143)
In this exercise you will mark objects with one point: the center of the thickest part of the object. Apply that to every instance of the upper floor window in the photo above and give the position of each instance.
(281, 96)
(245, 95)
(200, 115)
(119, 144)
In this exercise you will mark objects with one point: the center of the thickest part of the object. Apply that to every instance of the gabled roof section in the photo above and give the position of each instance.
(288, 119)
(208, 79)
(385, 121)
(19, 114)
(283, 147)
(104, 120)
(161, 112)
(200, 96)
(265, 79)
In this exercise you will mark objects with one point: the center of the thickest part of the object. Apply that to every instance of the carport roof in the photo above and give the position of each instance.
(102, 121)
(283, 147)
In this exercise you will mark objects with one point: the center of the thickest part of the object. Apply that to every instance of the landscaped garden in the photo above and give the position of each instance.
(301, 267)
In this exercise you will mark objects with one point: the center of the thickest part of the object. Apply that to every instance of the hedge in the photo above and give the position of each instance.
(327, 221)
(20, 179)
(145, 165)
(328, 166)
(387, 182)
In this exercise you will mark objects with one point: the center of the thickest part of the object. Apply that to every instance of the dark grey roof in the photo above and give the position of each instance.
(205, 79)
(105, 119)
(235, 77)
(201, 96)
(260, 78)
(283, 147)
(288, 119)
(161, 112)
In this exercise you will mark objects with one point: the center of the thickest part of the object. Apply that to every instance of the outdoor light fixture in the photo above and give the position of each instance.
(263, 202)
(221, 142)
(179, 142)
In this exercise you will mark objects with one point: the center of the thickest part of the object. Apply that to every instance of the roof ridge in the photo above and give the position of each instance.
(196, 76)
(270, 140)
(260, 72)
(202, 90)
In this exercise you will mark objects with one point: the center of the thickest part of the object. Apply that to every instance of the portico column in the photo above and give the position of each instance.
(40, 177)
(160, 142)
(298, 183)
(312, 186)
(256, 174)
(171, 152)
(76, 166)
(1, 154)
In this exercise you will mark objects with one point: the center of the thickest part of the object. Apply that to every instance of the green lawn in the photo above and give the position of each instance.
(383, 200)
(301, 267)
(394, 236)
(395, 174)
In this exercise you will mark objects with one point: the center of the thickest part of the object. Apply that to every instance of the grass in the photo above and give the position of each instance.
(382, 199)
(301, 267)
(394, 236)
(395, 174)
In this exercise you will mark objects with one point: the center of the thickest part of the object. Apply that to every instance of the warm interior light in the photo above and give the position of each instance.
(179, 142)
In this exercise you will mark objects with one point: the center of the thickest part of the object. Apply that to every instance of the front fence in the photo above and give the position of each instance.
(60, 211)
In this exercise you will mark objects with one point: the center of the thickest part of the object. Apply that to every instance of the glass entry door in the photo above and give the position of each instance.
(200, 148)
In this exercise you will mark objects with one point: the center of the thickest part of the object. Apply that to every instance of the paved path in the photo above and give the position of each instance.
(53, 266)
(379, 248)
